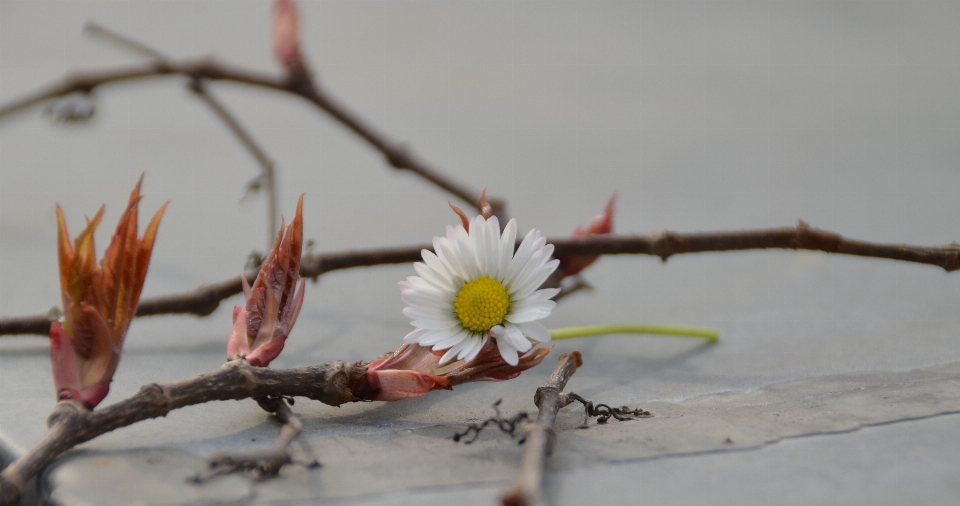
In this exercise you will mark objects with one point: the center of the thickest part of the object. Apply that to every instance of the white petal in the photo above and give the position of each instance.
(537, 261)
(534, 282)
(494, 224)
(489, 247)
(433, 261)
(414, 336)
(435, 324)
(530, 245)
(530, 270)
(470, 353)
(465, 246)
(452, 352)
(508, 241)
(459, 233)
(531, 312)
(434, 336)
(448, 252)
(426, 312)
(478, 235)
(436, 299)
(455, 348)
(528, 303)
(516, 338)
(418, 298)
(542, 294)
(535, 331)
(418, 283)
(454, 340)
(441, 281)
(508, 352)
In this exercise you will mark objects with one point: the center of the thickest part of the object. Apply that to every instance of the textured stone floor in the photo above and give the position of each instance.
(836, 380)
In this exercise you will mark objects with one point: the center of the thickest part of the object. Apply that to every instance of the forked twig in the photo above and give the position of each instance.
(301, 84)
(196, 84)
(264, 463)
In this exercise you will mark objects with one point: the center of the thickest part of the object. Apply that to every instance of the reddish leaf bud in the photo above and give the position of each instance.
(601, 224)
(261, 327)
(99, 302)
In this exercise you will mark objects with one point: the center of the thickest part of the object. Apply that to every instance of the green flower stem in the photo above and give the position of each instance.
(629, 328)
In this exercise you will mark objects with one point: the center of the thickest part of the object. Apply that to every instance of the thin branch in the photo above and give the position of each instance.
(267, 173)
(528, 491)
(123, 41)
(197, 86)
(801, 237)
(205, 299)
(263, 463)
(398, 155)
(70, 424)
(301, 84)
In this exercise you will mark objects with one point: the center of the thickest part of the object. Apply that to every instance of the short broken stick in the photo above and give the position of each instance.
(528, 491)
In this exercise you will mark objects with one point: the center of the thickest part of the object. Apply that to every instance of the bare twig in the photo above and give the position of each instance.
(205, 299)
(301, 84)
(268, 176)
(70, 424)
(528, 491)
(136, 47)
(196, 85)
(263, 463)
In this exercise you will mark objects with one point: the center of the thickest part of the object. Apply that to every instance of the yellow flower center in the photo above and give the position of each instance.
(482, 304)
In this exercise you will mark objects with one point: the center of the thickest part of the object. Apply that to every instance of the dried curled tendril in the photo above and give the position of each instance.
(603, 412)
(513, 426)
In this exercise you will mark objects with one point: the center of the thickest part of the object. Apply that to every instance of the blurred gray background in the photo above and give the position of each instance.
(702, 115)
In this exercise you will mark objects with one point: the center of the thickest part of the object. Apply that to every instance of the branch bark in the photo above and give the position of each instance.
(71, 424)
(528, 491)
(398, 155)
(205, 299)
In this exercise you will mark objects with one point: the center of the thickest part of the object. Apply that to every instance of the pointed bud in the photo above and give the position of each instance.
(273, 303)
(463, 217)
(486, 210)
(286, 33)
(601, 224)
(99, 302)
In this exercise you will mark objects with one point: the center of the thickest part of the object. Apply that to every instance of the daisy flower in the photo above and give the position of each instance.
(475, 288)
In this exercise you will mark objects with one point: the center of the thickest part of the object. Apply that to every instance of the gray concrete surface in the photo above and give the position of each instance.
(702, 115)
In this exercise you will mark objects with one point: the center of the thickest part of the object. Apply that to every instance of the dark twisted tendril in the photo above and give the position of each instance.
(603, 412)
(513, 426)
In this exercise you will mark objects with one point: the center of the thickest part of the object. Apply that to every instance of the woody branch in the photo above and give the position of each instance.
(205, 299)
(299, 83)
(71, 424)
